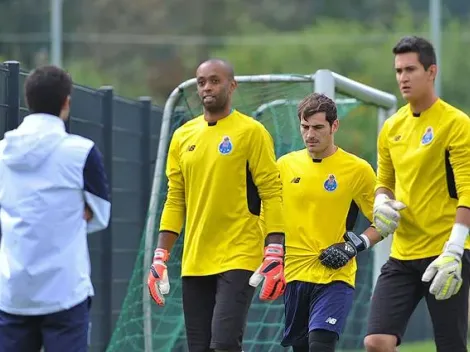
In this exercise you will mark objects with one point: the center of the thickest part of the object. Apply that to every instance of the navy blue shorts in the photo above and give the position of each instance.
(58, 332)
(311, 307)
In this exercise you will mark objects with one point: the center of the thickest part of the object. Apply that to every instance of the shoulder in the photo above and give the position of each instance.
(253, 130)
(77, 147)
(292, 157)
(358, 164)
(249, 123)
(189, 125)
(397, 117)
(454, 113)
(186, 129)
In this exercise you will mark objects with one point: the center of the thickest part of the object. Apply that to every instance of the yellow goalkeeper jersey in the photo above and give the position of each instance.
(218, 174)
(321, 200)
(425, 161)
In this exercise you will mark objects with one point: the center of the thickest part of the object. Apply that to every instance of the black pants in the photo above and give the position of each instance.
(215, 310)
(398, 291)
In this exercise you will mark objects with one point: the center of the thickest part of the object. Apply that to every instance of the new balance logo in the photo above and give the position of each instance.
(331, 321)
(191, 148)
(295, 180)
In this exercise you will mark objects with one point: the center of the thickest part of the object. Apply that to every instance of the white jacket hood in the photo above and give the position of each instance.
(32, 142)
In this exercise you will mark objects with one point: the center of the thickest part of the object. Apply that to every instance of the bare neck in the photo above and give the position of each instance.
(324, 153)
(216, 116)
(423, 104)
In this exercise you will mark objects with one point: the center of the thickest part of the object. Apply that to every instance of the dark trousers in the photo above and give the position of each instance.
(57, 332)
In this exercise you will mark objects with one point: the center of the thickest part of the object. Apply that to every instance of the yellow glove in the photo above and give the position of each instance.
(446, 270)
(446, 275)
(386, 214)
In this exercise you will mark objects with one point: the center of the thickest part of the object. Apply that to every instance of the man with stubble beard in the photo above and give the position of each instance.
(221, 166)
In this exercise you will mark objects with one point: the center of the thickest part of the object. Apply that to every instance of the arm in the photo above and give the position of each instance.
(266, 176)
(96, 192)
(364, 198)
(171, 224)
(385, 170)
(459, 157)
(386, 214)
(262, 165)
(445, 271)
(174, 209)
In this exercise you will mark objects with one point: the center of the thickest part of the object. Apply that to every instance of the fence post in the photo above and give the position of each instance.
(13, 95)
(146, 116)
(107, 117)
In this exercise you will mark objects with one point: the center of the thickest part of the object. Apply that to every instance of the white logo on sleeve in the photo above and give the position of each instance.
(331, 321)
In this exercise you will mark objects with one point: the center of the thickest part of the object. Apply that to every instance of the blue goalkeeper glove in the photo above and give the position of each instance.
(339, 254)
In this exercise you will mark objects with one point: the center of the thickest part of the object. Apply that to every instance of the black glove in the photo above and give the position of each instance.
(339, 254)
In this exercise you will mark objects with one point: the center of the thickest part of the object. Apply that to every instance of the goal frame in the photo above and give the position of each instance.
(323, 81)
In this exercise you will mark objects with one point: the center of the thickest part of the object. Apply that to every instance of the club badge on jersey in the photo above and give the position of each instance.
(427, 136)
(226, 146)
(330, 184)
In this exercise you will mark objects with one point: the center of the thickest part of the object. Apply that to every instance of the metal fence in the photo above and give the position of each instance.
(126, 131)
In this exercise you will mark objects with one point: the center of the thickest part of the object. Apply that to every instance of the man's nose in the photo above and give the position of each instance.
(311, 133)
(403, 78)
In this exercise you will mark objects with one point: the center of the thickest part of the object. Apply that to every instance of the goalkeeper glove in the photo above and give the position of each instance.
(386, 214)
(272, 271)
(339, 254)
(446, 270)
(157, 280)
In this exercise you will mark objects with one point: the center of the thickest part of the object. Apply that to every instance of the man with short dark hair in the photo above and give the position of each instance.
(53, 191)
(324, 187)
(221, 166)
(423, 162)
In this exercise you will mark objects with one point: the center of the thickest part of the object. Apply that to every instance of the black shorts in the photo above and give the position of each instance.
(398, 291)
(216, 309)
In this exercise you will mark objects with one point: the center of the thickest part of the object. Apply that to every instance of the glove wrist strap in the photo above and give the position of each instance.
(457, 239)
(366, 240)
(161, 254)
(274, 250)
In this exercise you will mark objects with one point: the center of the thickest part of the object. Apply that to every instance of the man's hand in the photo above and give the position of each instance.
(88, 213)
(157, 280)
(339, 254)
(386, 214)
(272, 271)
(446, 270)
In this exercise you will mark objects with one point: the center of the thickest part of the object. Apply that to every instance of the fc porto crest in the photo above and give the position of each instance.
(427, 136)
(330, 184)
(226, 146)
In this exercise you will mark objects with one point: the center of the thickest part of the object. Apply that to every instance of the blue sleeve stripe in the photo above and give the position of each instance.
(95, 180)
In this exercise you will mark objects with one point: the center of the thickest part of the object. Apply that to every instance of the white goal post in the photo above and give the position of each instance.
(323, 81)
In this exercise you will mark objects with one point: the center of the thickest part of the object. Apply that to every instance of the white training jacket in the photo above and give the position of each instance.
(46, 176)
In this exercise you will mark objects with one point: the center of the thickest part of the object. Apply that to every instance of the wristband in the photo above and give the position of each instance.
(366, 240)
(457, 239)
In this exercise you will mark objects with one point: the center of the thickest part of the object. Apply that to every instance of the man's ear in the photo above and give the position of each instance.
(335, 126)
(432, 71)
(233, 85)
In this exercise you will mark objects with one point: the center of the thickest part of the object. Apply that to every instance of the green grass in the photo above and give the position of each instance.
(422, 346)
(418, 347)
(426, 346)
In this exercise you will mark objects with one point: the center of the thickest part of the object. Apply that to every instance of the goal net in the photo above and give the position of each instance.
(271, 99)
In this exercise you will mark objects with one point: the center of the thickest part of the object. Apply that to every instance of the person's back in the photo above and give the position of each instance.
(53, 192)
(44, 251)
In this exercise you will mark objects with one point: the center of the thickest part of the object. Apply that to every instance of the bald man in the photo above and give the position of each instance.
(221, 166)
